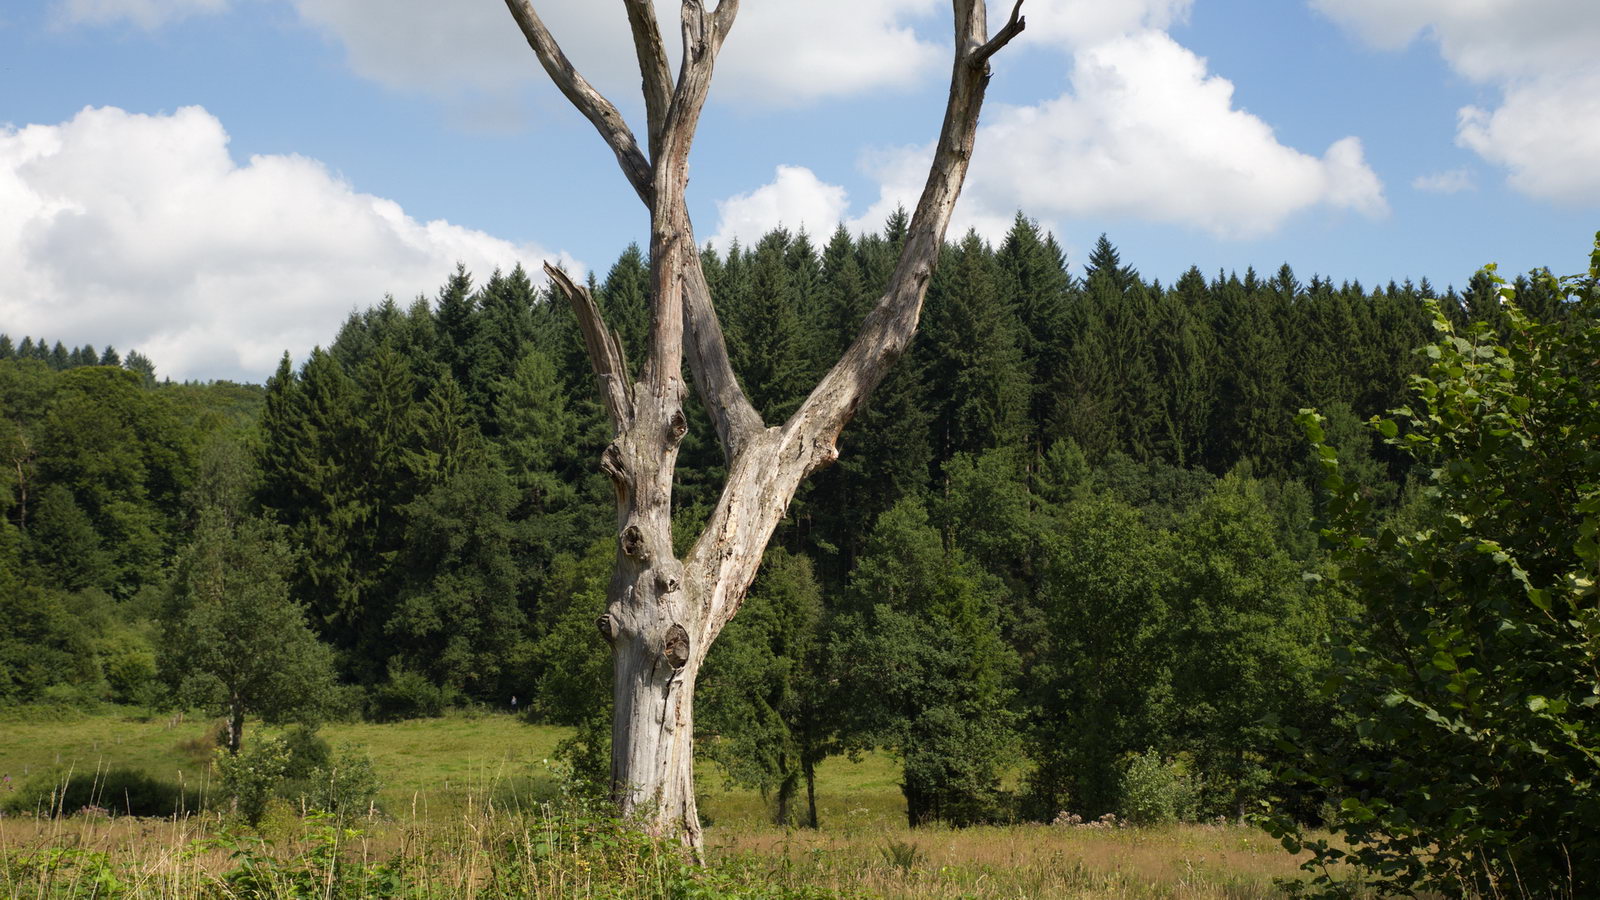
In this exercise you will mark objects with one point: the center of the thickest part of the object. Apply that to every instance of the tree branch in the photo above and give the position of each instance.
(603, 346)
(596, 108)
(888, 329)
(732, 414)
(675, 260)
(1014, 27)
(723, 18)
(653, 68)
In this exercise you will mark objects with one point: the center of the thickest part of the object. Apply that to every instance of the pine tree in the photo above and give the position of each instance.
(1253, 419)
(503, 326)
(1034, 282)
(1185, 357)
(759, 689)
(454, 317)
(978, 386)
(767, 345)
(458, 618)
(624, 299)
(846, 297)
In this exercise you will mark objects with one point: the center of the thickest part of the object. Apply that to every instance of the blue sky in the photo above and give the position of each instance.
(216, 181)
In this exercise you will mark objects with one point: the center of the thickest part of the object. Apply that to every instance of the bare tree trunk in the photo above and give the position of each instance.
(810, 770)
(663, 613)
(235, 725)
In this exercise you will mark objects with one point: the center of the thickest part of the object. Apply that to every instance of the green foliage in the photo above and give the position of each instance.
(1473, 692)
(1099, 676)
(233, 640)
(406, 694)
(1244, 630)
(41, 644)
(1156, 791)
(458, 620)
(925, 635)
(758, 710)
(298, 768)
(250, 777)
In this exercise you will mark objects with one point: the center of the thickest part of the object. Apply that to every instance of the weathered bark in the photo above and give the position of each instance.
(235, 725)
(810, 770)
(663, 613)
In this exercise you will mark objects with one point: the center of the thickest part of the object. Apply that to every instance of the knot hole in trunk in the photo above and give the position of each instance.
(678, 426)
(676, 648)
(633, 543)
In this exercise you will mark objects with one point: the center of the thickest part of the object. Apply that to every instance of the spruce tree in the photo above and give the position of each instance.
(1034, 282)
(502, 327)
(1184, 354)
(978, 387)
(454, 314)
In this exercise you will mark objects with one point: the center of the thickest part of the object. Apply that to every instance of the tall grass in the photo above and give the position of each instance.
(470, 809)
(568, 849)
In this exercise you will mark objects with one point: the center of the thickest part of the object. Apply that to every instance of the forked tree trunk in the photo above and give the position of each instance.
(664, 613)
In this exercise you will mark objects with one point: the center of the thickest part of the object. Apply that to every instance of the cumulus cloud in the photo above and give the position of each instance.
(143, 232)
(144, 13)
(1540, 54)
(1146, 132)
(1453, 181)
(1084, 23)
(780, 54)
(795, 199)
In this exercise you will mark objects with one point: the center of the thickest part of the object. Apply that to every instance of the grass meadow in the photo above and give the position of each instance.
(465, 812)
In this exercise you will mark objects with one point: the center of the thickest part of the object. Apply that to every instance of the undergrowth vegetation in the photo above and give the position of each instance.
(568, 849)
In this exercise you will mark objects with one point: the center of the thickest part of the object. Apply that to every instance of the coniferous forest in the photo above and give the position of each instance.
(1069, 562)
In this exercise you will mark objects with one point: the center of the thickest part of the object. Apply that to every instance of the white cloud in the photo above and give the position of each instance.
(795, 199)
(442, 48)
(1540, 54)
(1085, 23)
(1453, 181)
(1546, 132)
(1145, 132)
(143, 232)
(779, 54)
(144, 13)
(782, 54)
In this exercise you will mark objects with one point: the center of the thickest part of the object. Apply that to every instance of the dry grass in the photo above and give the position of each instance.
(460, 819)
(1041, 861)
(490, 852)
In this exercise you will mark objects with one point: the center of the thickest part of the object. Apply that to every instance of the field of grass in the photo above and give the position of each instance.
(446, 831)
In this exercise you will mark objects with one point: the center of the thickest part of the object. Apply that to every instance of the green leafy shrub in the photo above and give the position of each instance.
(251, 778)
(406, 695)
(1474, 761)
(131, 676)
(1157, 791)
(347, 783)
(299, 768)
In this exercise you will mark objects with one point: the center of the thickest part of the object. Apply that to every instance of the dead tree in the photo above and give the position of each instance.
(663, 611)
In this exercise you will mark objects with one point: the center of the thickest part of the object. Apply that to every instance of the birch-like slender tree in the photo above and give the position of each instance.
(664, 612)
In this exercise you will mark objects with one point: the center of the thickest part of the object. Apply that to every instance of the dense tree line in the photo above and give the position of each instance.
(98, 469)
(1070, 537)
